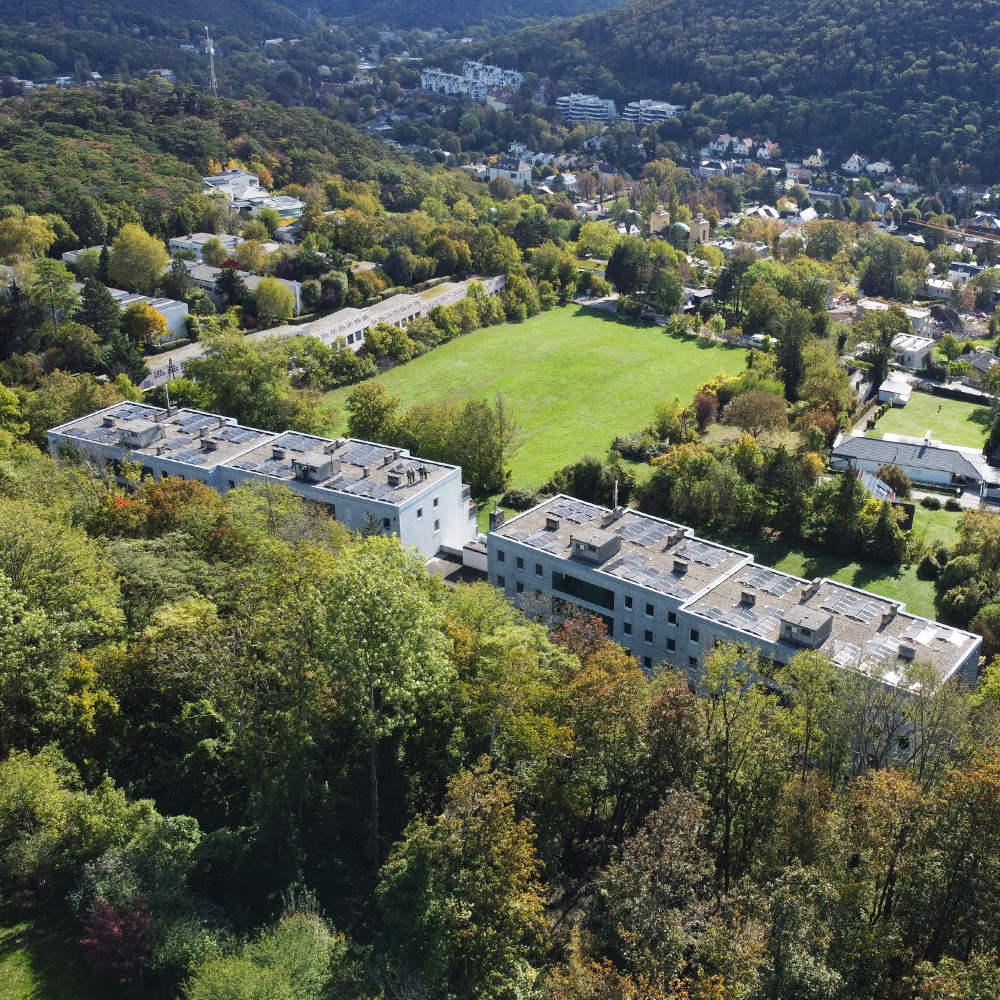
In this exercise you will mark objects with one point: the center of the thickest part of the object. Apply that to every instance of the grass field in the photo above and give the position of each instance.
(949, 420)
(574, 378)
(897, 582)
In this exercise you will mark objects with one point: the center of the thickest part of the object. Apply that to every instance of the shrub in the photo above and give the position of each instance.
(896, 479)
(636, 446)
(928, 568)
(519, 498)
(931, 503)
(952, 504)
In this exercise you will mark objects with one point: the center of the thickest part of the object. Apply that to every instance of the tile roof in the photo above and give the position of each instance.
(921, 456)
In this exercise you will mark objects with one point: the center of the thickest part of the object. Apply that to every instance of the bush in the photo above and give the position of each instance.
(931, 503)
(928, 568)
(636, 446)
(952, 504)
(519, 499)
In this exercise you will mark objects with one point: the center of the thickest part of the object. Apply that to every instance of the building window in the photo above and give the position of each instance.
(647, 661)
(501, 555)
(386, 523)
(647, 635)
(584, 590)
(538, 569)
(627, 628)
(649, 610)
(420, 513)
(693, 662)
(519, 562)
(695, 635)
(520, 587)
(628, 603)
(501, 581)
(671, 618)
(232, 484)
(671, 645)
(435, 501)
(437, 525)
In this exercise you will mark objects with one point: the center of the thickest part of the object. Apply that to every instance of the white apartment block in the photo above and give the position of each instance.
(424, 504)
(492, 76)
(586, 108)
(171, 310)
(197, 241)
(670, 597)
(646, 112)
(434, 81)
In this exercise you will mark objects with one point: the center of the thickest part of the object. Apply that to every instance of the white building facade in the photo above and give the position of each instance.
(586, 108)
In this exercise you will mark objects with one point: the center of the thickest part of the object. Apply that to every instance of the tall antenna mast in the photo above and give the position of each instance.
(210, 46)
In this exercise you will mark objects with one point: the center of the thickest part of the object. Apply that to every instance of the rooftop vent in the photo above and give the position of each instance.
(680, 567)
(330, 447)
(210, 444)
(907, 653)
(108, 421)
(887, 616)
(277, 452)
(394, 479)
(365, 472)
(551, 523)
(497, 518)
(748, 598)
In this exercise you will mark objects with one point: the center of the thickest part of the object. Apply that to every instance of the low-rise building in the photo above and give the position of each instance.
(196, 242)
(285, 205)
(980, 362)
(586, 108)
(669, 597)
(854, 164)
(768, 151)
(896, 390)
(817, 160)
(939, 288)
(923, 463)
(492, 76)
(173, 311)
(646, 112)
(515, 170)
(913, 352)
(206, 278)
(361, 483)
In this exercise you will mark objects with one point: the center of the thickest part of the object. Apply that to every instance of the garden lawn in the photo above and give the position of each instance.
(574, 379)
(950, 420)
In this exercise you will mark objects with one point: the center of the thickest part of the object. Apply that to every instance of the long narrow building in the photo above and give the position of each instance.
(669, 597)
(425, 504)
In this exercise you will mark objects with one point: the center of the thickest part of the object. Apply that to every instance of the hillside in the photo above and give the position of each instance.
(455, 14)
(916, 77)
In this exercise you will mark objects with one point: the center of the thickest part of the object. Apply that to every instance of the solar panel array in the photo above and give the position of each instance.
(298, 442)
(236, 434)
(195, 421)
(547, 541)
(856, 608)
(845, 654)
(576, 511)
(635, 568)
(131, 411)
(769, 581)
(365, 455)
(747, 619)
(927, 632)
(365, 487)
(642, 531)
(881, 647)
(193, 456)
(700, 552)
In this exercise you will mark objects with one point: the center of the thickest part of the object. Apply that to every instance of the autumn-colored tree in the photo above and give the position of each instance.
(118, 939)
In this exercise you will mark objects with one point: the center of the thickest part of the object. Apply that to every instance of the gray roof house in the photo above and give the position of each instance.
(923, 463)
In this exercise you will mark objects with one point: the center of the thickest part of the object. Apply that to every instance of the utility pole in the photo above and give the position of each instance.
(210, 47)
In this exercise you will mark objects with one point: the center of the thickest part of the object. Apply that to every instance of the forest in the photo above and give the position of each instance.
(911, 80)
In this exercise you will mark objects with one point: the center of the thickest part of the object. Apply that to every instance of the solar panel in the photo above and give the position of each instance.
(642, 531)
(194, 456)
(297, 442)
(845, 654)
(880, 648)
(576, 511)
(699, 552)
(866, 612)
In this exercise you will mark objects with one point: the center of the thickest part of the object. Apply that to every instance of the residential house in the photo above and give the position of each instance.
(669, 597)
(900, 185)
(854, 164)
(206, 278)
(919, 317)
(896, 390)
(880, 168)
(711, 168)
(981, 362)
(720, 144)
(826, 192)
(817, 160)
(939, 288)
(171, 310)
(197, 241)
(768, 151)
(286, 206)
(798, 174)
(515, 170)
(743, 148)
(961, 271)
(923, 463)
(912, 352)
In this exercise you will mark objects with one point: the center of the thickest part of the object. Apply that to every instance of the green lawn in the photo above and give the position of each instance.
(39, 960)
(898, 582)
(574, 378)
(949, 420)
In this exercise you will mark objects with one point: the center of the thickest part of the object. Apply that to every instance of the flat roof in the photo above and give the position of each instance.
(866, 628)
(655, 554)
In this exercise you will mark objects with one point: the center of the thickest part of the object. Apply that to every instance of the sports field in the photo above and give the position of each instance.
(574, 378)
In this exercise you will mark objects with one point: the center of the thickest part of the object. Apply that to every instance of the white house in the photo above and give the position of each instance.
(880, 168)
(286, 206)
(854, 164)
(923, 463)
(768, 151)
(720, 144)
(516, 171)
(197, 241)
(912, 351)
(939, 288)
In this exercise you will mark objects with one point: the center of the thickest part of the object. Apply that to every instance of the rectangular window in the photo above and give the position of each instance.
(647, 635)
(693, 662)
(538, 569)
(584, 590)
(671, 645)
(695, 635)
(649, 610)
(501, 581)
(627, 628)
(501, 555)
(386, 523)
(671, 618)
(647, 661)
(435, 501)
(232, 484)
(437, 525)
(519, 562)
(420, 513)
(628, 603)
(520, 587)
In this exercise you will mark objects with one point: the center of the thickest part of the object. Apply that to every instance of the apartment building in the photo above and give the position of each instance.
(669, 597)
(646, 112)
(424, 504)
(586, 108)
(492, 76)
(435, 81)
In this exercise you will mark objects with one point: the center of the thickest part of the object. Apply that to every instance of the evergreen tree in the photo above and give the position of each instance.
(99, 310)
(122, 357)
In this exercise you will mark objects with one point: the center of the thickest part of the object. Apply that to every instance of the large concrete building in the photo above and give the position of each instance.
(669, 597)
(586, 108)
(646, 112)
(425, 504)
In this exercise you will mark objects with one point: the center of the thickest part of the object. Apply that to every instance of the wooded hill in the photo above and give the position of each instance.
(916, 78)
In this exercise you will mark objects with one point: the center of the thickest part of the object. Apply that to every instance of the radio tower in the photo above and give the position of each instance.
(210, 46)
